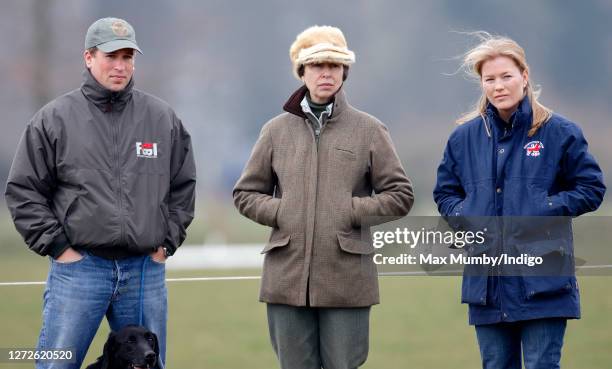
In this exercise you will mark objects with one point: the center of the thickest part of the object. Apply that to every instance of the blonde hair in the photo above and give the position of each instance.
(490, 47)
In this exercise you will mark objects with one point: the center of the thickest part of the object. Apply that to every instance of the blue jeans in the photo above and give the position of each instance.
(79, 294)
(311, 338)
(541, 341)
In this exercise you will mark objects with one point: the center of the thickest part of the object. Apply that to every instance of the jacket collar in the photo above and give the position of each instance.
(105, 99)
(306, 107)
(293, 104)
(521, 117)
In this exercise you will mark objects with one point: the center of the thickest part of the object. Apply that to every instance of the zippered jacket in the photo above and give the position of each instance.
(315, 190)
(109, 172)
(494, 169)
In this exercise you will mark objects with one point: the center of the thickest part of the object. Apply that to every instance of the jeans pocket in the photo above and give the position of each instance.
(84, 255)
(156, 261)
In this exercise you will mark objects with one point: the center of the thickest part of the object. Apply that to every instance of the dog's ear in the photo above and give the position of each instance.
(103, 362)
(159, 364)
(109, 349)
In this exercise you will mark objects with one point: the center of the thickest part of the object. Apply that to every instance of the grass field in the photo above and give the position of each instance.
(220, 324)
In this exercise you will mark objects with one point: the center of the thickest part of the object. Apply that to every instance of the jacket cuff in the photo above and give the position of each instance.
(270, 212)
(169, 250)
(555, 205)
(59, 245)
(356, 213)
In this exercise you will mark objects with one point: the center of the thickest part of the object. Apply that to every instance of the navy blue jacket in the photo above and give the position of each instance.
(492, 168)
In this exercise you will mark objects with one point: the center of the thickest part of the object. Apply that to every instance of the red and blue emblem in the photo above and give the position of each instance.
(533, 148)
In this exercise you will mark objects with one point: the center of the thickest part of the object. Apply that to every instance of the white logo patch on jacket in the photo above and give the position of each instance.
(146, 150)
(533, 148)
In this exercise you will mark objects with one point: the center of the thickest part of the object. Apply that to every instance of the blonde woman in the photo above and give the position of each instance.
(315, 173)
(512, 156)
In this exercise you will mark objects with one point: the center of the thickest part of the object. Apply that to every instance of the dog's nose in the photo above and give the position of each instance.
(150, 357)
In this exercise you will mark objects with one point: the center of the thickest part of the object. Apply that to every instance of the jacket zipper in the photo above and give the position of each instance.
(500, 275)
(317, 130)
(500, 223)
(316, 135)
(115, 126)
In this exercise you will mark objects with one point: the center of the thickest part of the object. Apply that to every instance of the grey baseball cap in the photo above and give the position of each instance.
(111, 34)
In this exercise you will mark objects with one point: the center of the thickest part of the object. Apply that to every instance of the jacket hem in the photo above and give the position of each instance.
(496, 317)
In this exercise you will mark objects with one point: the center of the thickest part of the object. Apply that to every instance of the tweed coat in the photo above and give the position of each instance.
(315, 193)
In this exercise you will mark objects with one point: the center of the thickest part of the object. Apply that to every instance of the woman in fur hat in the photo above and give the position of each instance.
(316, 172)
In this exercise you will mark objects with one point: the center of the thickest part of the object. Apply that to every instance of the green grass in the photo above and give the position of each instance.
(220, 324)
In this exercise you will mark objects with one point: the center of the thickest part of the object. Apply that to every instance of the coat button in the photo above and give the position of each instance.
(505, 315)
(499, 190)
(501, 151)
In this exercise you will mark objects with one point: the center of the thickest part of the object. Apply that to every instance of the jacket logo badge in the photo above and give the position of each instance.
(533, 148)
(146, 150)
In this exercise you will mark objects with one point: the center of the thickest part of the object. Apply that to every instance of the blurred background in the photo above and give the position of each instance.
(224, 67)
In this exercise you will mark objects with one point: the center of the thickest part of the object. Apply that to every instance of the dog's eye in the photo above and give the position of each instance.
(131, 339)
(148, 336)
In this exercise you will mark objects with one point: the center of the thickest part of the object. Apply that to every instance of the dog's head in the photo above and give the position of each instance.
(132, 347)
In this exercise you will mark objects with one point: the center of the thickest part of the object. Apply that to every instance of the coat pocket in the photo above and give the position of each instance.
(557, 258)
(534, 287)
(556, 273)
(66, 218)
(474, 289)
(354, 245)
(345, 154)
(354, 259)
(541, 203)
(275, 243)
(476, 276)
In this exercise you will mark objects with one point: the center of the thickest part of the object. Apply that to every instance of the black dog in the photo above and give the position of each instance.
(132, 347)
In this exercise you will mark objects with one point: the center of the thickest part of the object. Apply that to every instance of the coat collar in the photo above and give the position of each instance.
(293, 104)
(521, 117)
(105, 99)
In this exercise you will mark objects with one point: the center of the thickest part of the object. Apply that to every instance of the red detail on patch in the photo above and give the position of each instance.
(536, 148)
(147, 145)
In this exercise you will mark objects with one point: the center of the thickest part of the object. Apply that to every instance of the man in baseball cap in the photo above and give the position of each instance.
(103, 183)
(109, 52)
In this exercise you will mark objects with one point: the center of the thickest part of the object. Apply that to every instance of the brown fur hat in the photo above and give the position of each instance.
(320, 44)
